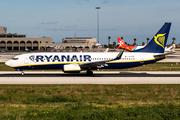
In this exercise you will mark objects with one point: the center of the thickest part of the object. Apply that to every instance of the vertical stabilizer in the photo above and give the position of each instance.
(158, 42)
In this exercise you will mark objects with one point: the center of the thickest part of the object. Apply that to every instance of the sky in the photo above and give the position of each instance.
(58, 19)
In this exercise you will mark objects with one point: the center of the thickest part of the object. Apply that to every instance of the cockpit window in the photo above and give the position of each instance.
(14, 58)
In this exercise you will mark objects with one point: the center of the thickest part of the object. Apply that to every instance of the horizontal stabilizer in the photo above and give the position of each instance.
(163, 54)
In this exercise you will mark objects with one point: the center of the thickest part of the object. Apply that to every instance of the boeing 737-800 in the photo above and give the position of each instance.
(71, 62)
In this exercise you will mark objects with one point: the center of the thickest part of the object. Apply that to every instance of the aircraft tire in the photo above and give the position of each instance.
(89, 72)
(22, 73)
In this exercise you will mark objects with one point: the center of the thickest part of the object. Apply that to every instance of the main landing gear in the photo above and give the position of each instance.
(89, 72)
(22, 73)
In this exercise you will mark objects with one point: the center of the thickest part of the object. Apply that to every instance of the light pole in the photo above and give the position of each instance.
(98, 23)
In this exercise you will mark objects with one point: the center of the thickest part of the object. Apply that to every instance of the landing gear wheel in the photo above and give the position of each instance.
(89, 72)
(22, 73)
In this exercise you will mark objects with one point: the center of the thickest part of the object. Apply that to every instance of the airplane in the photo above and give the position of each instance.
(133, 48)
(170, 49)
(129, 48)
(73, 62)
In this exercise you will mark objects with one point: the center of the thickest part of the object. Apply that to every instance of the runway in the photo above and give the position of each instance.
(107, 77)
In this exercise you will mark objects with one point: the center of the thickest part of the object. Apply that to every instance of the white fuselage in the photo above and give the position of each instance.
(56, 60)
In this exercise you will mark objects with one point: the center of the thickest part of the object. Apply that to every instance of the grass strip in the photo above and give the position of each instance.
(89, 101)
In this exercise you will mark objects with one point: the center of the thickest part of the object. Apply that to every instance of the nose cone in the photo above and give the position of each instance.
(8, 63)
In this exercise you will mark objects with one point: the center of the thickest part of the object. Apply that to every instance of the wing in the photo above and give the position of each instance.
(99, 63)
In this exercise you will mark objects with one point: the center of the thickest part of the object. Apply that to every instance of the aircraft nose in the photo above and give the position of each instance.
(8, 63)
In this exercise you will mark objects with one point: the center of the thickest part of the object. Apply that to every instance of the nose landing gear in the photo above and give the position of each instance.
(22, 73)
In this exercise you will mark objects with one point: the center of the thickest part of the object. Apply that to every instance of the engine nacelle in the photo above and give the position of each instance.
(72, 68)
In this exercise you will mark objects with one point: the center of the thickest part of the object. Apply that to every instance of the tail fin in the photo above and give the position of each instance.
(158, 42)
(122, 44)
(119, 39)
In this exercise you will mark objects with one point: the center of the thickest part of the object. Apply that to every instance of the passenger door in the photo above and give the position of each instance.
(26, 59)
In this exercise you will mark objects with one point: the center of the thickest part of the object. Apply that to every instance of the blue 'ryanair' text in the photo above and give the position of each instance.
(60, 58)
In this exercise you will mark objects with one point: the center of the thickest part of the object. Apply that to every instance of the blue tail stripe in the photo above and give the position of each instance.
(158, 42)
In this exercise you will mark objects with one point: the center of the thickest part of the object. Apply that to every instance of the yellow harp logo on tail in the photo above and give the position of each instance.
(160, 39)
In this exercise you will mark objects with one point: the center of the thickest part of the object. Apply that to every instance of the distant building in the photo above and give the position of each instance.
(14, 41)
(79, 40)
(3, 29)
(70, 43)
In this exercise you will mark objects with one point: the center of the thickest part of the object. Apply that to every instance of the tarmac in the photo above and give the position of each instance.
(107, 77)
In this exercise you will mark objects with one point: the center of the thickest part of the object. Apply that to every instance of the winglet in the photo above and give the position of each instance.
(106, 50)
(119, 55)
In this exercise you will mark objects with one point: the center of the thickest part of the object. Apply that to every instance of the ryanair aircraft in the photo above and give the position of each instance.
(72, 62)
